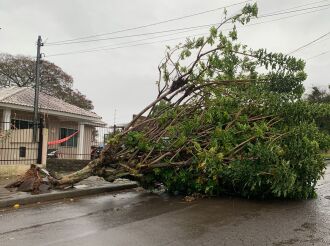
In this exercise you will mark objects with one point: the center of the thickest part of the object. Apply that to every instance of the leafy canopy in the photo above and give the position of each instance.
(227, 120)
(20, 71)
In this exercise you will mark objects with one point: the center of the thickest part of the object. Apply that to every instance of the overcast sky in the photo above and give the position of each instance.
(124, 79)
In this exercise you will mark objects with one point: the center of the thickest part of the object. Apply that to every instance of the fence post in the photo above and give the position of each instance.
(41, 126)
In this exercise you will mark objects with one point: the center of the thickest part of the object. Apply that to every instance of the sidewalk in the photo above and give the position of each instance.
(92, 185)
(4, 193)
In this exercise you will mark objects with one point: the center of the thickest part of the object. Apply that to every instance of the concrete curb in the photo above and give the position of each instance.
(65, 194)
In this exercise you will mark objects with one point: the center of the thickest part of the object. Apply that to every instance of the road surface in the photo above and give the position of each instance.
(141, 218)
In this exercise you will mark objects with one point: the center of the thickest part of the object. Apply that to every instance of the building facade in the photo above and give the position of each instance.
(69, 131)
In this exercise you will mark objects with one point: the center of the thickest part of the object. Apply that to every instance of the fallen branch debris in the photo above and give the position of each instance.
(218, 125)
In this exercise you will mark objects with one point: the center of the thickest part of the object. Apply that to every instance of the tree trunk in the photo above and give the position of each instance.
(76, 177)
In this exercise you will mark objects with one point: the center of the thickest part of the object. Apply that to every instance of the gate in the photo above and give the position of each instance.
(17, 144)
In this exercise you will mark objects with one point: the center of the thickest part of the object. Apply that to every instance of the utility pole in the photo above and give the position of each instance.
(36, 92)
(114, 121)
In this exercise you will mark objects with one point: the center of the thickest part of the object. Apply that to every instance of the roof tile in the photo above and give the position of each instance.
(24, 96)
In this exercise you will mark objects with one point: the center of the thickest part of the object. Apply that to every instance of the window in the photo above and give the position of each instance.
(65, 132)
(22, 124)
(22, 151)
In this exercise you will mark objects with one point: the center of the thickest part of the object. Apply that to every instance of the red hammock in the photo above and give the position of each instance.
(59, 141)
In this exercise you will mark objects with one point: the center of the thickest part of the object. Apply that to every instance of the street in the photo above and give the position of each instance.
(137, 217)
(164, 123)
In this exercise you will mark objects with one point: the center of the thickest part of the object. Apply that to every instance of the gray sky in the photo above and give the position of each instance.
(124, 79)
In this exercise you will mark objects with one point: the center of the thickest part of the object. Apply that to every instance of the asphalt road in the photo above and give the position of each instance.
(140, 218)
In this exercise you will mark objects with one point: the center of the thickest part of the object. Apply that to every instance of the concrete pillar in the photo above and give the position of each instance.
(44, 146)
(6, 118)
(81, 138)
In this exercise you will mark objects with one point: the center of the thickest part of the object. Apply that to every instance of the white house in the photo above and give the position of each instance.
(61, 119)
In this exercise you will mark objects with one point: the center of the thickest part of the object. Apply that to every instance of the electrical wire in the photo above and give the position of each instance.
(152, 24)
(148, 38)
(303, 5)
(177, 29)
(174, 19)
(292, 11)
(308, 44)
(102, 48)
(134, 35)
(114, 48)
(321, 54)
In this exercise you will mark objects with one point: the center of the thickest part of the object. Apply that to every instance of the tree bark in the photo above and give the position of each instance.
(76, 177)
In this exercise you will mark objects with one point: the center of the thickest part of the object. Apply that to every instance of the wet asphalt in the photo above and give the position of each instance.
(140, 218)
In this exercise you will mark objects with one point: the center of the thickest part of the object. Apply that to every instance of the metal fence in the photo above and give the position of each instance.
(17, 144)
(84, 146)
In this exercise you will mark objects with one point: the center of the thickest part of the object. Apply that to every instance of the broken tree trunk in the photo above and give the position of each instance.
(31, 181)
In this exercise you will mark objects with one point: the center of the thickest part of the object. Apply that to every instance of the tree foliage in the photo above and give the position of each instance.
(227, 120)
(20, 71)
(321, 96)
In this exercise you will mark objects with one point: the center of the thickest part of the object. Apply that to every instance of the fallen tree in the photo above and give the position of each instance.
(227, 119)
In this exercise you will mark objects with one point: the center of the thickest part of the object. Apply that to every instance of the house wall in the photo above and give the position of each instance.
(23, 138)
(12, 140)
(11, 163)
(4, 124)
(54, 126)
(88, 142)
(10, 143)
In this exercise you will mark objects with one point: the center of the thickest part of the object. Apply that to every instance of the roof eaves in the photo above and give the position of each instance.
(49, 111)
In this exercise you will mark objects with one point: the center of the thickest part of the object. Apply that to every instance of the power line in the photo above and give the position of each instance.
(145, 39)
(291, 11)
(304, 5)
(286, 17)
(114, 48)
(148, 43)
(134, 35)
(305, 45)
(321, 54)
(152, 24)
(177, 29)
(102, 48)
(161, 22)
